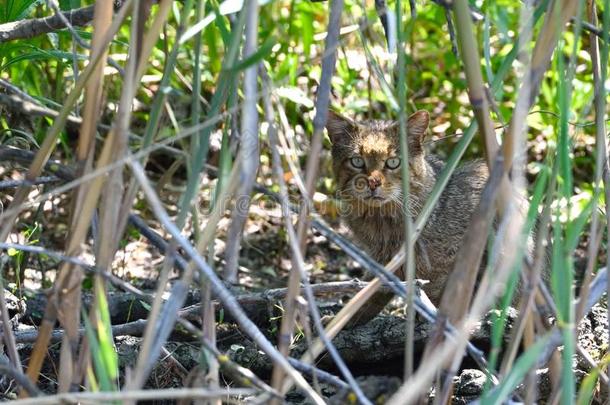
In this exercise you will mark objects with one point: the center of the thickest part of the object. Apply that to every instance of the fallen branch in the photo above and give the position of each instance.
(31, 28)
(143, 395)
(17, 103)
(126, 306)
(136, 328)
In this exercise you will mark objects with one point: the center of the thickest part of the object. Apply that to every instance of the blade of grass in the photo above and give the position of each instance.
(525, 362)
(409, 274)
(585, 394)
(562, 270)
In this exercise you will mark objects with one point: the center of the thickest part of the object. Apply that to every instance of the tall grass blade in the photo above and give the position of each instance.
(525, 362)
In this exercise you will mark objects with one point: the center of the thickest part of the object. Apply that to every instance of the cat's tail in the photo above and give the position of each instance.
(371, 308)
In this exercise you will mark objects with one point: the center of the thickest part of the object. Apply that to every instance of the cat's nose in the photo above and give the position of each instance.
(374, 182)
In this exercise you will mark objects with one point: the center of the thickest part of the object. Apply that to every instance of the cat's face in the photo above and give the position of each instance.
(366, 157)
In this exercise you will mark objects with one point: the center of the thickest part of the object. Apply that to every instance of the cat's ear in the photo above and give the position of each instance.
(417, 125)
(339, 127)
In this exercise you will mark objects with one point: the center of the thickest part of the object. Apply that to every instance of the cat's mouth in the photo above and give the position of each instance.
(375, 200)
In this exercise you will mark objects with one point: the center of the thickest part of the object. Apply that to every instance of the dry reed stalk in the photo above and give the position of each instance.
(311, 174)
(93, 91)
(296, 255)
(477, 93)
(9, 216)
(67, 286)
(461, 282)
(110, 204)
(85, 152)
(69, 280)
(541, 58)
(218, 287)
(463, 277)
(249, 148)
(141, 395)
(322, 104)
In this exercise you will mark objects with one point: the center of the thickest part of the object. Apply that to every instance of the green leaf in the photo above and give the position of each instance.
(307, 30)
(263, 50)
(104, 332)
(588, 383)
(40, 54)
(575, 228)
(14, 10)
(96, 356)
(69, 4)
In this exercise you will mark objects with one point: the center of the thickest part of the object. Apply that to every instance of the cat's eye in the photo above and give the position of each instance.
(392, 163)
(357, 162)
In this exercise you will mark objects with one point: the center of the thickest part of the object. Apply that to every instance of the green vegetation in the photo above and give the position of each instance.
(149, 109)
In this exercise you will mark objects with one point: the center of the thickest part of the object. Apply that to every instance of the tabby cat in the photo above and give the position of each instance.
(367, 167)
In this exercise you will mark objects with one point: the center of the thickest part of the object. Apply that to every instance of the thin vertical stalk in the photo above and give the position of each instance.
(208, 333)
(110, 207)
(600, 115)
(401, 90)
(540, 61)
(249, 148)
(563, 265)
(93, 91)
(526, 24)
(476, 87)
(319, 123)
